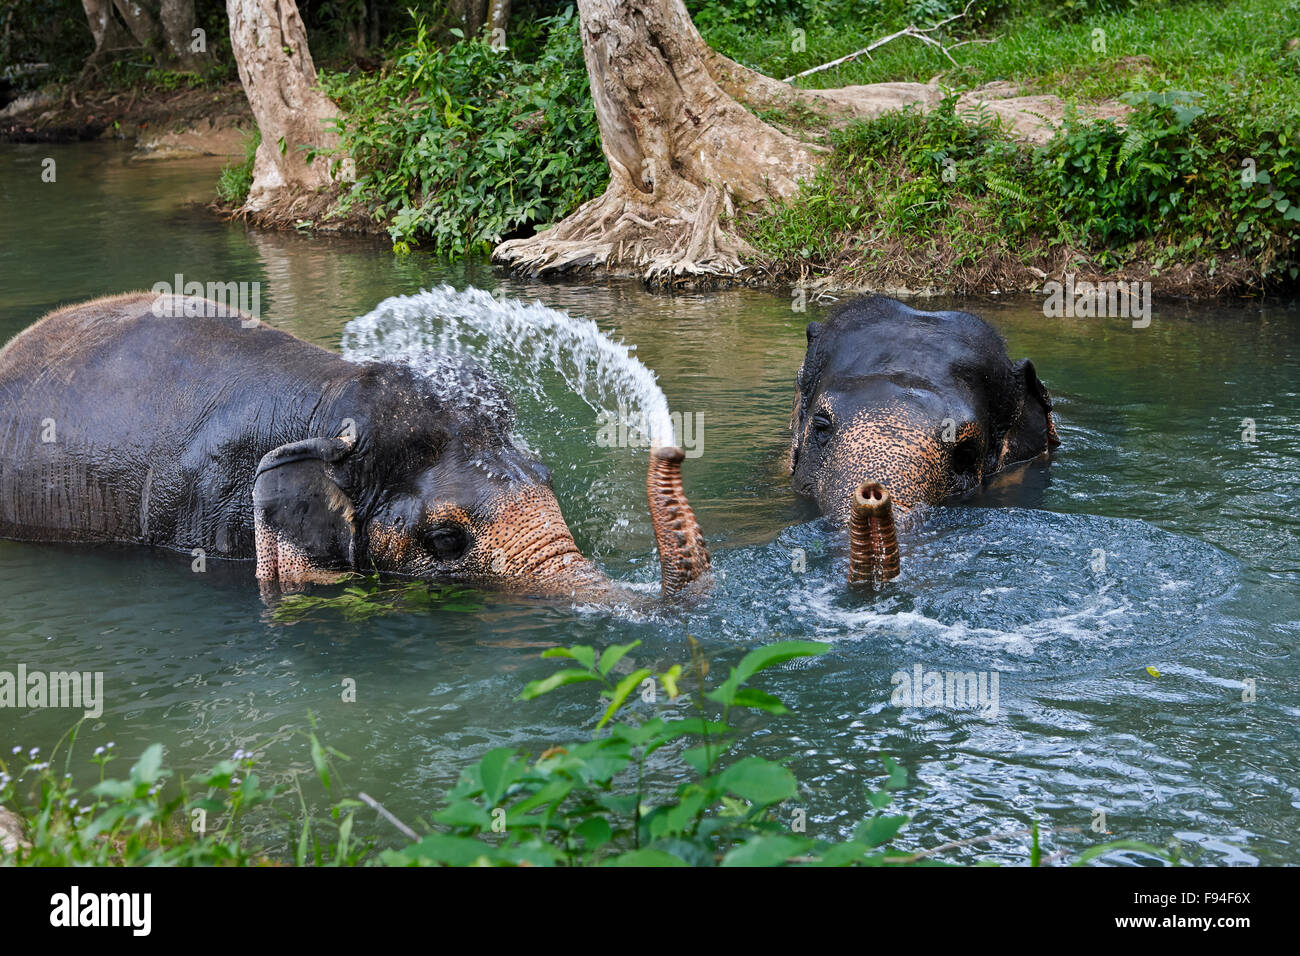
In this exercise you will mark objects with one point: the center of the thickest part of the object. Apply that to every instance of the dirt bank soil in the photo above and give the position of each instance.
(212, 121)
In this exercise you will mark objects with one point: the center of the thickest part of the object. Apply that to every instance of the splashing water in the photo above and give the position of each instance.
(430, 328)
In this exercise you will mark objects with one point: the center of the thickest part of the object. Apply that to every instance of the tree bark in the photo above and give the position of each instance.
(468, 15)
(177, 25)
(279, 78)
(498, 19)
(140, 21)
(682, 154)
(107, 32)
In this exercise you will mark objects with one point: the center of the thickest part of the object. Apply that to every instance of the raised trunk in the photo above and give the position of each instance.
(279, 78)
(683, 556)
(873, 544)
(682, 154)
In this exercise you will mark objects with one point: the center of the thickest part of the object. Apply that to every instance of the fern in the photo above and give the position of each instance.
(1007, 190)
(1134, 141)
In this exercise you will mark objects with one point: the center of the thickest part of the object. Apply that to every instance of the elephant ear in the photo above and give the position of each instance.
(303, 522)
(1028, 429)
(803, 384)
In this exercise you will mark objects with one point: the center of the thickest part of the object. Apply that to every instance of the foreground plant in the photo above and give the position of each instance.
(590, 803)
(146, 820)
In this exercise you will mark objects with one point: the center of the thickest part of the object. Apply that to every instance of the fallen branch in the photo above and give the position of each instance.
(912, 31)
(383, 812)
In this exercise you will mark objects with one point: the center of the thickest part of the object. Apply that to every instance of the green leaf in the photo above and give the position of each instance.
(878, 830)
(595, 832)
(621, 692)
(570, 675)
(451, 850)
(612, 655)
(464, 813)
(1093, 852)
(843, 854)
(764, 850)
(114, 789)
(700, 757)
(897, 774)
(760, 700)
(147, 767)
(498, 769)
(759, 781)
(646, 858)
(760, 659)
(318, 760)
(584, 655)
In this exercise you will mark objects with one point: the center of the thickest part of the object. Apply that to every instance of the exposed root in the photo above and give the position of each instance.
(672, 238)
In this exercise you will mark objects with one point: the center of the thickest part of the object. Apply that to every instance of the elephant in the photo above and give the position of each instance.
(895, 408)
(181, 423)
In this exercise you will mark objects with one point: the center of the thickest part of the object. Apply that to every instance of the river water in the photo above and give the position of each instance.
(1163, 539)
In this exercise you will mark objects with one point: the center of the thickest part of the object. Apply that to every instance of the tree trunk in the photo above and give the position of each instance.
(140, 21)
(498, 18)
(682, 153)
(105, 29)
(177, 25)
(275, 67)
(468, 15)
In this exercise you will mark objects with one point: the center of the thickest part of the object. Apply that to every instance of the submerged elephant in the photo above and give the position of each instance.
(895, 407)
(180, 423)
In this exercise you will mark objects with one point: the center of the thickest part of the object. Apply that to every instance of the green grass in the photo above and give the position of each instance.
(237, 176)
(1179, 45)
(1214, 90)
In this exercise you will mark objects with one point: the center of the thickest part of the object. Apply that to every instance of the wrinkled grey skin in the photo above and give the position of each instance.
(121, 425)
(928, 404)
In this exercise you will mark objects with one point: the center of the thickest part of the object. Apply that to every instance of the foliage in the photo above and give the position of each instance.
(237, 176)
(1167, 187)
(370, 599)
(147, 819)
(566, 806)
(462, 147)
(590, 803)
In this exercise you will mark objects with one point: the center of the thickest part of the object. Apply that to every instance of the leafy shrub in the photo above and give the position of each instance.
(146, 820)
(1185, 179)
(463, 147)
(582, 804)
(237, 177)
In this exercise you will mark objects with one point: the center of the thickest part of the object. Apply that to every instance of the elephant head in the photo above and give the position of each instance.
(895, 408)
(419, 477)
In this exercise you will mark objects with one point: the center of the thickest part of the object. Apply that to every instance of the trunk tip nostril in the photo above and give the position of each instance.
(870, 496)
(669, 453)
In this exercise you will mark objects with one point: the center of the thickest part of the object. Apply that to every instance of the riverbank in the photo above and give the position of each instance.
(158, 123)
(1147, 145)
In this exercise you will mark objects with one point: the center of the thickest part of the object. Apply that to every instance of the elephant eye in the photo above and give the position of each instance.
(448, 542)
(822, 426)
(966, 456)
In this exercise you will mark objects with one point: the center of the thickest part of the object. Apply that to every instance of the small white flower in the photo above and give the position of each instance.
(31, 754)
(17, 750)
(98, 751)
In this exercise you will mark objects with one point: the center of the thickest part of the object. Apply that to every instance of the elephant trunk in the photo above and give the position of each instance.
(683, 556)
(873, 545)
